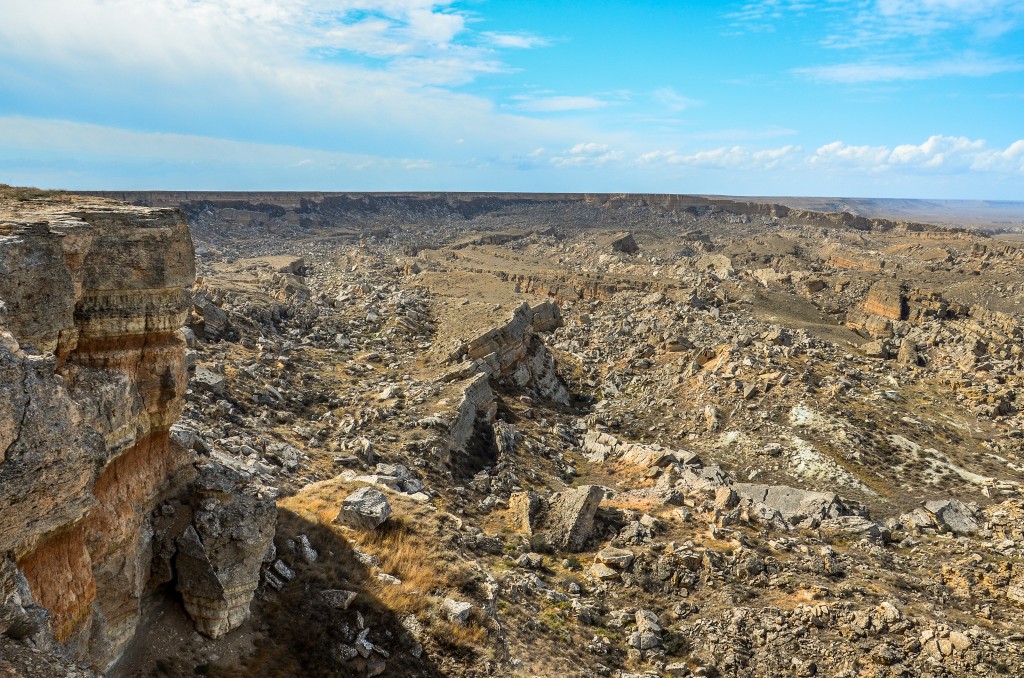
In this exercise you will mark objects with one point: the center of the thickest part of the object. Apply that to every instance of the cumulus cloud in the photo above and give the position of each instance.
(1010, 159)
(938, 154)
(731, 157)
(838, 154)
(588, 154)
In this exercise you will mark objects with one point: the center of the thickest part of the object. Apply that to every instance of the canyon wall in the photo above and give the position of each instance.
(465, 205)
(92, 375)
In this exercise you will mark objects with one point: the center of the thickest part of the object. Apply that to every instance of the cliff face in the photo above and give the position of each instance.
(92, 375)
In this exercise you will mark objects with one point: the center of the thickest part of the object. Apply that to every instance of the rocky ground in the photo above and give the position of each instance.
(606, 437)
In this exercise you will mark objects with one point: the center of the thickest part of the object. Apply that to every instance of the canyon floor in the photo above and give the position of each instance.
(520, 435)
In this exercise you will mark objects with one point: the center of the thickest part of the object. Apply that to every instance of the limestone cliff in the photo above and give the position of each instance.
(92, 375)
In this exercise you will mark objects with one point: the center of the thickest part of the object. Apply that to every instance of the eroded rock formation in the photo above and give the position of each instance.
(215, 539)
(92, 375)
(511, 354)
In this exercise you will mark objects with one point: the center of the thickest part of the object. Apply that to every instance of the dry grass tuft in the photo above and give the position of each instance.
(408, 546)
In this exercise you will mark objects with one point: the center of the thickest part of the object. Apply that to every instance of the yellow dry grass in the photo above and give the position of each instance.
(407, 547)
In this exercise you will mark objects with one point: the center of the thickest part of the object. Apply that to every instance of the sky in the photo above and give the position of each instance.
(870, 98)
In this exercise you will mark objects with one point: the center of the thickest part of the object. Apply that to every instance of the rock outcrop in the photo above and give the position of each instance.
(364, 509)
(511, 355)
(217, 540)
(624, 242)
(796, 506)
(884, 304)
(565, 520)
(514, 353)
(92, 375)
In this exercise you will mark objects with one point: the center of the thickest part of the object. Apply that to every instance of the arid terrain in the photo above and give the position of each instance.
(508, 435)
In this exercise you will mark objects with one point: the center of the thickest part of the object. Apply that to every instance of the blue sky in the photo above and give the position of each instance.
(876, 98)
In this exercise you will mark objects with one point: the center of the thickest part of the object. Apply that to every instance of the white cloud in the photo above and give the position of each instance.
(346, 75)
(938, 151)
(968, 65)
(515, 40)
(937, 154)
(668, 97)
(875, 23)
(588, 154)
(1008, 160)
(838, 154)
(557, 104)
(417, 164)
(251, 41)
(61, 138)
(732, 134)
(731, 157)
(896, 39)
(763, 15)
(888, 19)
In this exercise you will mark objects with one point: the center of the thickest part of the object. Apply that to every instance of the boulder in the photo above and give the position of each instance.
(719, 264)
(908, 354)
(570, 519)
(796, 506)
(602, 572)
(219, 554)
(565, 520)
(208, 380)
(208, 319)
(875, 349)
(858, 526)
(525, 509)
(19, 617)
(648, 632)
(364, 509)
(339, 599)
(506, 438)
(726, 498)
(624, 242)
(456, 610)
(616, 557)
(885, 299)
(953, 516)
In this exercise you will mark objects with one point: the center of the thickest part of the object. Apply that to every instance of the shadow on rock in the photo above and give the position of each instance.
(322, 621)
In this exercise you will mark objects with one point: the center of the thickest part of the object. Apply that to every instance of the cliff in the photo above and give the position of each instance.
(459, 205)
(92, 375)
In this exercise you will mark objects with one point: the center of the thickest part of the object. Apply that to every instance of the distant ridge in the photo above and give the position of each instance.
(988, 215)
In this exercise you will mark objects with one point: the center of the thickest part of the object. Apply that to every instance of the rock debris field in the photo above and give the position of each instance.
(508, 435)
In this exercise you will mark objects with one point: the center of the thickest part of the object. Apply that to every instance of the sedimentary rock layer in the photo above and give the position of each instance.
(512, 354)
(220, 552)
(92, 375)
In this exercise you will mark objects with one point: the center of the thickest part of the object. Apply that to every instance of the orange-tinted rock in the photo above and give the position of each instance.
(885, 300)
(92, 375)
